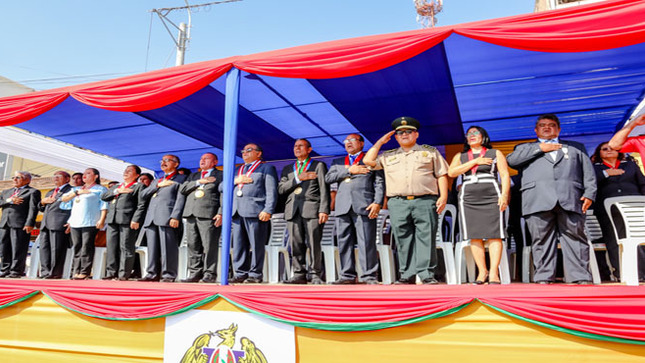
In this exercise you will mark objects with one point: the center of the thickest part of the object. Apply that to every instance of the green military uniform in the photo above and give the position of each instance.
(411, 182)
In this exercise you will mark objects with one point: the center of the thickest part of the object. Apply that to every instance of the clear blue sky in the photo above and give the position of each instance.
(49, 44)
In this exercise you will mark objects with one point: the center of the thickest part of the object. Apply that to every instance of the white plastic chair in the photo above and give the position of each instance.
(99, 263)
(465, 261)
(34, 259)
(632, 211)
(277, 248)
(385, 253)
(527, 260)
(141, 252)
(446, 245)
(331, 256)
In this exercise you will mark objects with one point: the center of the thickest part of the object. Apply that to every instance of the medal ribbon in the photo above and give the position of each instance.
(248, 172)
(15, 193)
(170, 175)
(612, 166)
(473, 170)
(126, 187)
(297, 170)
(356, 161)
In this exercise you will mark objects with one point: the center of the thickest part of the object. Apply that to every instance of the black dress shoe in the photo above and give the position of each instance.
(14, 276)
(371, 282)
(4, 274)
(208, 280)
(237, 279)
(296, 281)
(316, 281)
(344, 282)
(252, 280)
(430, 281)
(122, 279)
(411, 281)
(544, 282)
(482, 281)
(108, 278)
(584, 282)
(192, 279)
(148, 278)
(52, 277)
(167, 279)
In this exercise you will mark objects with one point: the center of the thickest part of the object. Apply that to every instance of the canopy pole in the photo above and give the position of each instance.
(230, 144)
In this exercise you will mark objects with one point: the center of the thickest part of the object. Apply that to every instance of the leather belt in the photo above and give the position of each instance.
(412, 197)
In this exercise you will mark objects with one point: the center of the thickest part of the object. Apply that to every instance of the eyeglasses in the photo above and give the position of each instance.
(473, 133)
(406, 132)
(167, 160)
(347, 141)
(248, 150)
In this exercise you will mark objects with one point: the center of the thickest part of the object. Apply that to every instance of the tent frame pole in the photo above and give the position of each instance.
(230, 143)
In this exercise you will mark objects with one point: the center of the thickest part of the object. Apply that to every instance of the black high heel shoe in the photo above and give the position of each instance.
(481, 282)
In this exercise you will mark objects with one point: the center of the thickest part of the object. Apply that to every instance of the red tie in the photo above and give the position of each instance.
(204, 173)
(55, 192)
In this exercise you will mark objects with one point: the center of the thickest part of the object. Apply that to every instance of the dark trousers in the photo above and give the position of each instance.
(414, 226)
(14, 245)
(163, 251)
(203, 244)
(569, 227)
(120, 246)
(83, 240)
(250, 236)
(305, 235)
(360, 231)
(53, 250)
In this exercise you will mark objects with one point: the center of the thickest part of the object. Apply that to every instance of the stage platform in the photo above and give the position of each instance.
(110, 321)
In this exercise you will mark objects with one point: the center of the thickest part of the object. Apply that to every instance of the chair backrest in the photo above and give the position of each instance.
(329, 231)
(592, 227)
(451, 210)
(632, 210)
(278, 230)
(382, 222)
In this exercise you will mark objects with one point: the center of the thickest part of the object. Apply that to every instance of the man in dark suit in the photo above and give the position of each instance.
(254, 201)
(358, 201)
(163, 221)
(306, 211)
(203, 223)
(558, 186)
(125, 214)
(19, 210)
(54, 242)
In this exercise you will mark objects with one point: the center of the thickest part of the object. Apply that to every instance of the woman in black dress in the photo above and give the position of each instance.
(481, 200)
(616, 177)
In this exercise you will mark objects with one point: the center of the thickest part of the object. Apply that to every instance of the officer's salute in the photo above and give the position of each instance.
(417, 188)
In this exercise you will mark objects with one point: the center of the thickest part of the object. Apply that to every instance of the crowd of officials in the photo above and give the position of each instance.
(557, 184)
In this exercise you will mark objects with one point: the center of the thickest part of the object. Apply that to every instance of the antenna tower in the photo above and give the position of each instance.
(184, 30)
(426, 11)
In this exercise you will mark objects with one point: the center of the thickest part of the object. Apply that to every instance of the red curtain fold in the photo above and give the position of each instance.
(598, 26)
(611, 311)
(343, 58)
(20, 108)
(152, 90)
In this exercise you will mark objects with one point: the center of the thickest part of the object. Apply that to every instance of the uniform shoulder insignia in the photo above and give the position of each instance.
(431, 148)
(389, 151)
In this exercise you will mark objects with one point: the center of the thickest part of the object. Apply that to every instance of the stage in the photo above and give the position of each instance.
(110, 321)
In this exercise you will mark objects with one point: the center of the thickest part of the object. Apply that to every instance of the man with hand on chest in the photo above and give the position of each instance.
(254, 201)
(54, 242)
(358, 201)
(19, 210)
(203, 222)
(306, 211)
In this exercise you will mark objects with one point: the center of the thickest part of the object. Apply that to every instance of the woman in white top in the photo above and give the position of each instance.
(87, 217)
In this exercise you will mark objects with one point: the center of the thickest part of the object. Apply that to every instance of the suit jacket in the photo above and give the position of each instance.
(546, 182)
(259, 196)
(361, 191)
(54, 218)
(165, 203)
(206, 206)
(23, 214)
(314, 197)
(125, 208)
(632, 182)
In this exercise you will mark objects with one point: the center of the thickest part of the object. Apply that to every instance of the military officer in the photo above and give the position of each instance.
(417, 187)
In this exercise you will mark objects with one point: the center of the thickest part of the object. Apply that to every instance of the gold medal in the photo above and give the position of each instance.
(154, 195)
(298, 190)
(199, 193)
(239, 193)
(113, 201)
(348, 180)
(9, 200)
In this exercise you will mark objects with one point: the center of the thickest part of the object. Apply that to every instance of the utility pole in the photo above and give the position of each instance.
(183, 36)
